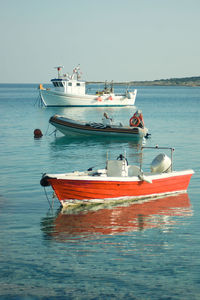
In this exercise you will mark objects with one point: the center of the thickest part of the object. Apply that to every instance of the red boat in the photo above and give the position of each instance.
(119, 181)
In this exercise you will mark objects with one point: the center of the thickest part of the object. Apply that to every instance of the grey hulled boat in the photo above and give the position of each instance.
(136, 128)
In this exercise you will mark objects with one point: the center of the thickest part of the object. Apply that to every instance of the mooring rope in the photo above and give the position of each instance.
(51, 206)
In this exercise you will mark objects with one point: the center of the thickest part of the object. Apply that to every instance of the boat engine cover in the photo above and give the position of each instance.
(161, 163)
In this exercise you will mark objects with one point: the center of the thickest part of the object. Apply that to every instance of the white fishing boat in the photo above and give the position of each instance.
(107, 127)
(69, 90)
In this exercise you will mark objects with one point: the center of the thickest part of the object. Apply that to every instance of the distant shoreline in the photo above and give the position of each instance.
(187, 81)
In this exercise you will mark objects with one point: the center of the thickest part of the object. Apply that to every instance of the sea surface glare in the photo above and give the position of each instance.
(138, 251)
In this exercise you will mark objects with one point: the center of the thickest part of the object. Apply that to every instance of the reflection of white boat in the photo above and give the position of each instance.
(106, 128)
(70, 91)
(119, 181)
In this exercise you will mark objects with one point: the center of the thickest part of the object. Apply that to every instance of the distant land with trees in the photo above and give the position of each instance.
(186, 81)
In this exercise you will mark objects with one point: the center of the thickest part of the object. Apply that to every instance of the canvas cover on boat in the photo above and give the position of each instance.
(117, 168)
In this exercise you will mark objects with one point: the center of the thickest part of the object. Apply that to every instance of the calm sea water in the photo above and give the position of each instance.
(140, 251)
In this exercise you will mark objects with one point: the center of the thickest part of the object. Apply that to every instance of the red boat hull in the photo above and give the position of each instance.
(81, 189)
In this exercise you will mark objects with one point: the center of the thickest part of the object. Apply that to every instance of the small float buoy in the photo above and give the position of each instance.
(99, 99)
(37, 133)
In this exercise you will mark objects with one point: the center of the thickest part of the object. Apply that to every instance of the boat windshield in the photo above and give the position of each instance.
(58, 83)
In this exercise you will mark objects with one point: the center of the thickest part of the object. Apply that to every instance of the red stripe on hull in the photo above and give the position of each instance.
(85, 189)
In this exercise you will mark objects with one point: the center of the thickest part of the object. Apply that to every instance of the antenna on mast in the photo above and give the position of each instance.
(77, 71)
(59, 68)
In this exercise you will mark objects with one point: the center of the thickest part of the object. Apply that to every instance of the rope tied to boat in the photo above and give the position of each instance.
(50, 203)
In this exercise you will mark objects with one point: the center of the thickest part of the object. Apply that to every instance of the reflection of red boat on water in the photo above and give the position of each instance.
(136, 216)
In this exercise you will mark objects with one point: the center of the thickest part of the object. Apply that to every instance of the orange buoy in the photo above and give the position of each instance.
(37, 133)
(110, 98)
(99, 99)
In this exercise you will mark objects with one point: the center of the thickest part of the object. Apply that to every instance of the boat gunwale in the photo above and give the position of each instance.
(105, 178)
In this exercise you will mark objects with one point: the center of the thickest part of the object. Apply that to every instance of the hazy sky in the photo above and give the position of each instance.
(116, 40)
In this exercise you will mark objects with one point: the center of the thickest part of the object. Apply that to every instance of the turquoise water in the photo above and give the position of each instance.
(138, 251)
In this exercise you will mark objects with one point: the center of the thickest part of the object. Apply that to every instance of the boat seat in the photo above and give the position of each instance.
(134, 171)
(117, 168)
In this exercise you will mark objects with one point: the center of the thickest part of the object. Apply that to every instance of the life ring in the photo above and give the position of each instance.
(134, 121)
(99, 99)
(110, 98)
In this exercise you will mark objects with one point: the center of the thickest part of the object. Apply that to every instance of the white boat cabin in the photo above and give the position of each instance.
(68, 84)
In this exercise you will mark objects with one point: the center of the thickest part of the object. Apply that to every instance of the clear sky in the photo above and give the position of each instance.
(118, 40)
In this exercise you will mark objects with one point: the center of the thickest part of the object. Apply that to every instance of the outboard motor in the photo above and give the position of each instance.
(161, 163)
